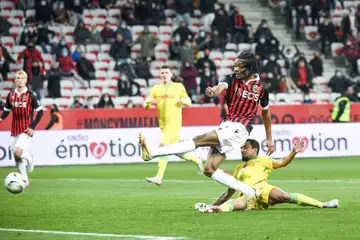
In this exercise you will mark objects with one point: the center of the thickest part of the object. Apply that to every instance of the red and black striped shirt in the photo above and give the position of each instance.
(243, 98)
(22, 104)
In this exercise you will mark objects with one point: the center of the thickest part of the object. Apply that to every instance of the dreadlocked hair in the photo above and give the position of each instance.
(247, 61)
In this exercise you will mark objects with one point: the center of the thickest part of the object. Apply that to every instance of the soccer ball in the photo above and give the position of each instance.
(15, 182)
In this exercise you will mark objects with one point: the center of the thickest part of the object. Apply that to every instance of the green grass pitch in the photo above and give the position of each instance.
(115, 199)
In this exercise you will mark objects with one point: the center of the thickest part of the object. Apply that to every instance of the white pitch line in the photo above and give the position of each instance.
(90, 234)
(197, 181)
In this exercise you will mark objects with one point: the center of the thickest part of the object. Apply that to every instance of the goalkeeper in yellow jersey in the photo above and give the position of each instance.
(169, 97)
(254, 172)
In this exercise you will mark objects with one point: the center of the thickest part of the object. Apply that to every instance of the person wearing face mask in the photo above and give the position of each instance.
(81, 33)
(60, 47)
(56, 119)
(77, 104)
(61, 14)
(95, 36)
(239, 30)
(5, 60)
(43, 11)
(263, 31)
(29, 55)
(67, 67)
(147, 41)
(184, 32)
(125, 32)
(222, 24)
(107, 34)
(54, 76)
(119, 50)
(339, 82)
(327, 34)
(290, 55)
(27, 35)
(302, 76)
(206, 62)
(37, 80)
(44, 34)
(174, 47)
(317, 64)
(263, 48)
(203, 41)
(189, 74)
(106, 102)
(273, 71)
(158, 16)
(128, 13)
(207, 80)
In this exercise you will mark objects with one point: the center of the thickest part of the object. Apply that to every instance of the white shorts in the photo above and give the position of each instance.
(21, 141)
(232, 135)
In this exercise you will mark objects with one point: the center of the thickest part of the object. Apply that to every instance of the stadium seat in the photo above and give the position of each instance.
(283, 97)
(244, 47)
(103, 66)
(136, 48)
(160, 56)
(153, 29)
(93, 48)
(30, 12)
(296, 97)
(320, 97)
(156, 65)
(8, 41)
(48, 58)
(174, 65)
(142, 82)
(153, 81)
(15, 33)
(98, 84)
(161, 47)
(115, 75)
(8, 86)
(226, 64)
(120, 101)
(137, 30)
(320, 80)
(230, 55)
(100, 13)
(165, 30)
(104, 57)
(311, 33)
(112, 65)
(67, 30)
(91, 57)
(111, 83)
(336, 49)
(223, 71)
(3, 94)
(14, 22)
(47, 102)
(216, 55)
(101, 75)
(92, 92)
(155, 73)
(63, 103)
(18, 14)
(146, 91)
(6, 6)
(82, 93)
(112, 92)
(231, 47)
(105, 48)
(66, 93)
(137, 100)
(114, 13)
(66, 84)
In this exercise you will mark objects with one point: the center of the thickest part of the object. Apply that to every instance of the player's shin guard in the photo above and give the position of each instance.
(162, 167)
(231, 182)
(302, 200)
(174, 149)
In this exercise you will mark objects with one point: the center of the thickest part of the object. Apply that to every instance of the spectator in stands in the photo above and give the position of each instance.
(147, 41)
(207, 80)
(290, 56)
(77, 8)
(272, 82)
(95, 37)
(263, 31)
(272, 66)
(119, 50)
(85, 68)
(174, 46)
(263, 48)
(203, 40)
(29, 55)
(327, 33)
(43, 37)
(158, 12)
(60, 47)
(302, 76)
(206, 62)
(288, 85)
(67, 67)
(27, 35)
(189, 74)
(184, 9)
(89, 104)
(217, 42)
(81, 33)
(5, 60)
(5, 26)
(317, 64)
(351, 51)
(239, 27)
(37, 81)
(307, 99)
(43, 11)
(186, 52)
(143, 10)
(107, 4)
(76, 54)
(127, 75)
(125, 32)
(107, 34)
(348, 24)
(316, 7)
(128, 13)
(130, 104)
(207, 8)
(106, 101)
(54, 76)
(222, 24)
(184, 32)
(77, 103)
(142, 68)
(56, 120)
(61, 14)
(301, 14)
(339, 82)
(124, 86)
(275, 45)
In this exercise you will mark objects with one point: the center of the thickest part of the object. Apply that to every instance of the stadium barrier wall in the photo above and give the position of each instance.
(197, 116)
(95, 146)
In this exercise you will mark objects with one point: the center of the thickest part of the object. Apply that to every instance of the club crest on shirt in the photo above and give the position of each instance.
(255, 88)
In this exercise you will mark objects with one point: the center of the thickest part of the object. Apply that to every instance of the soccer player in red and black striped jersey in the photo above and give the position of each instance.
(22, 103)
(245, 93)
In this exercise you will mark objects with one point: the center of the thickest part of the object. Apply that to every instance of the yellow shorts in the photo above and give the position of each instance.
(170, 136)
(263, 200)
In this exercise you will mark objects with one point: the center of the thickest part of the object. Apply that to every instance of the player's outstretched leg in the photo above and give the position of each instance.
(303, 200)
(193, 158)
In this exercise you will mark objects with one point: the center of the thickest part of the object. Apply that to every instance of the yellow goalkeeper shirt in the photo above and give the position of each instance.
(167, 99)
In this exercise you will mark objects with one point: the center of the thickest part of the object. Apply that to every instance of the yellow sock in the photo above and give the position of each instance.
(189, 157)
(162, 166)
(227, 206)
(302, 200)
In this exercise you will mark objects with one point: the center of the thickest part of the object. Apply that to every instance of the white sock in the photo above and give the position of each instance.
(173, 149)
(228, 180)
(21, 166)
(26, 155)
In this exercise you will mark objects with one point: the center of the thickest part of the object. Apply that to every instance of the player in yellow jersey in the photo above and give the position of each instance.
(169, 97)
(254, 172)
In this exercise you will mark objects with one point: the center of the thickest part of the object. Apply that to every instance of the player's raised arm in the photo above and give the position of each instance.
(266, 115)
(217, 90)
(7, 108)
(225, 196)
(150, 99)
(297, 147)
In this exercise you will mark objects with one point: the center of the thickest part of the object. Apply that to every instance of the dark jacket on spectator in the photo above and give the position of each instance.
(207, 6)
(317, 66)
(183, 6)
(76, 6)
(43, 35)
(81, 33)
(222, 24)
(339, 83)
(184, 33)
(85, 68)
(53, 86)
(44, 10)
(189, 75)
(26, 36)
(5, 26)
(119, 50)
